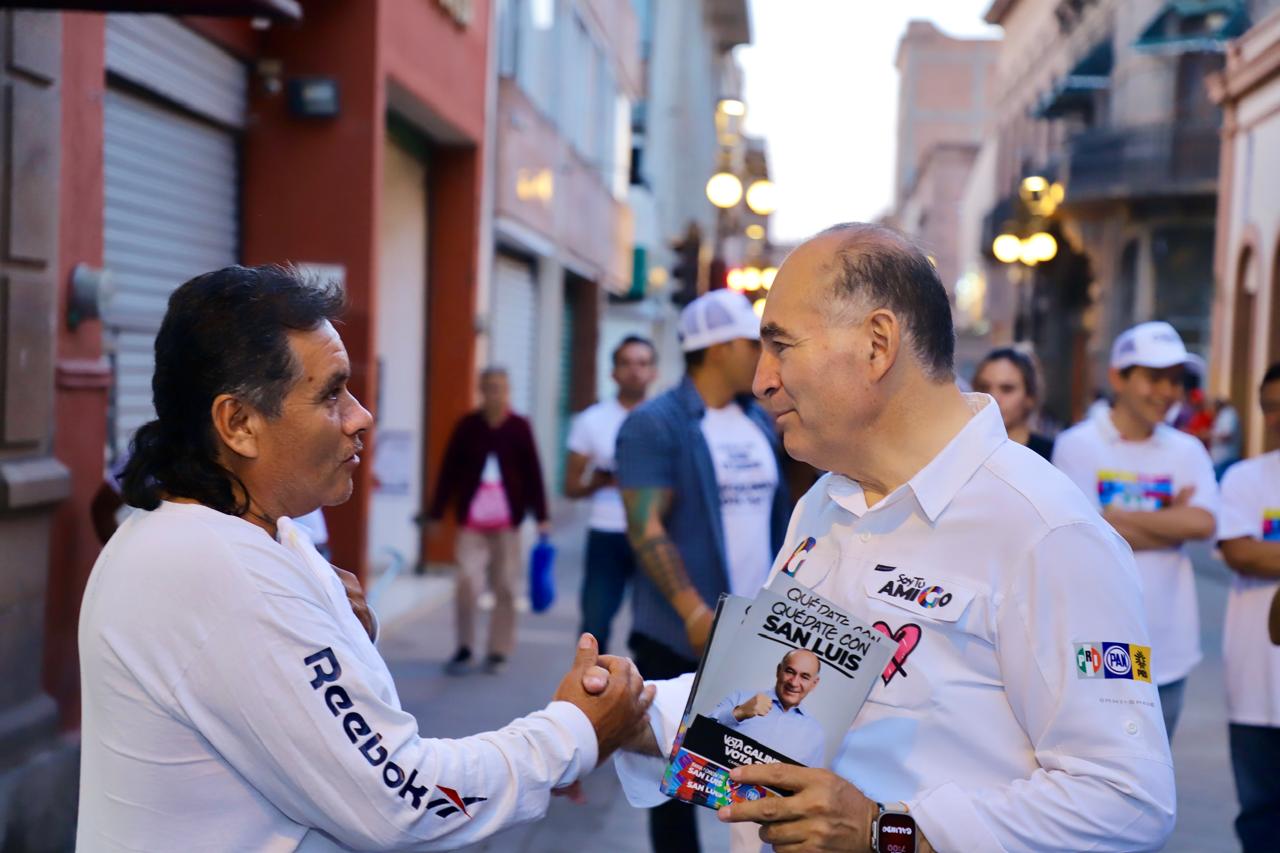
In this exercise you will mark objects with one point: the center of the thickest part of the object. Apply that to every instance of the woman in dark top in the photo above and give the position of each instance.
(1010, 376)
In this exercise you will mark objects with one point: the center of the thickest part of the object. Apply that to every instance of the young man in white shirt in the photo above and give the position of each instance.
(991, 728)
(590, 471)
(1156, 487)
(232, 697)
(1249, 537)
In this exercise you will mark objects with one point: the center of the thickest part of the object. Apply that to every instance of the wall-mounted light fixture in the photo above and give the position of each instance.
(314, 97)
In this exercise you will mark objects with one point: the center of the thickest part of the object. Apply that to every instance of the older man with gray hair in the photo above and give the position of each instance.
(1018, 711)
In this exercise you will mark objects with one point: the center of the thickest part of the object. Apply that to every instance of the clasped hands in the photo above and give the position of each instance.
(824, 812)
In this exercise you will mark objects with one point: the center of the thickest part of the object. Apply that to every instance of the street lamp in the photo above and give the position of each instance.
(724, 190)
(762, 197)
(1007, 248)
(1040, 247)
(732, 107)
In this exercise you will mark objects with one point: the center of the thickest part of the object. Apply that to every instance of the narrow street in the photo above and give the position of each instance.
(416, 644)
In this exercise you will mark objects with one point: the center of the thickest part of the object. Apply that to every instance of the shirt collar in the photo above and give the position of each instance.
(687, 394)
(776, 701)
(1110, 434)
(1106, 427)
(937, 483)
(689, 397)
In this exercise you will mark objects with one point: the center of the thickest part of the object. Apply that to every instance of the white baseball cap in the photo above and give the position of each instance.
(1155, 344)
(717, 317)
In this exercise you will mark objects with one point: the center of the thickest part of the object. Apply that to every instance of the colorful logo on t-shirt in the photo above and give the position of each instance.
(1113, 660)
(1129, 490)
(1271, 524)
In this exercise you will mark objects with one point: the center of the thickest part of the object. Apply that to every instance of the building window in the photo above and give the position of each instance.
(509, 31)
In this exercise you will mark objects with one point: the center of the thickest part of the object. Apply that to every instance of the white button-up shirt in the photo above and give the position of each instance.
(1018, 712)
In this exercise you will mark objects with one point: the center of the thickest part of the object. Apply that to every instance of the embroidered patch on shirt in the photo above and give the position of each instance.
(1129, 490)
(797, 557)
(1271, 525)
(936, 598)
(1113, 660)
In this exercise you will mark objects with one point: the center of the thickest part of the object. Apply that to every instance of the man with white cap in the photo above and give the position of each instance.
(706, 509)
(1156, 487)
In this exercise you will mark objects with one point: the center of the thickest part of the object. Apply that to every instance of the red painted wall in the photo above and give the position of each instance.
(82, 377)
(444, 67)
(453, 257)
(439, 62)
(310, 193)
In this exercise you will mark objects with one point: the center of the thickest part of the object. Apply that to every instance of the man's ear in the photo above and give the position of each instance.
(1116, 380)
(237, 425)
(884, 340)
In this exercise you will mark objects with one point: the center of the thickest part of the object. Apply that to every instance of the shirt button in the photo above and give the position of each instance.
(866, 537)
(1131, 727)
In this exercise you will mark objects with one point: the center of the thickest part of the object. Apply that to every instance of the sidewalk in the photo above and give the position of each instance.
(420, 637)
(1202, 763)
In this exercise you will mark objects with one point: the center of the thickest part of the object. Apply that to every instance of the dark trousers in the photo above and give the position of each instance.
(673, 826)
(1255, 755)
(610, 565)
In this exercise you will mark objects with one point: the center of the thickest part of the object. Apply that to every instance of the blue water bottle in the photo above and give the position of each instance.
(542, 578)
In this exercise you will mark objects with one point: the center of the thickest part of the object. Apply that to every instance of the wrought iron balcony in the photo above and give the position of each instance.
(1143, 162)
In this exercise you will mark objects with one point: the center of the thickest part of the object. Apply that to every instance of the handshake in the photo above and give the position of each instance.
(610, 691)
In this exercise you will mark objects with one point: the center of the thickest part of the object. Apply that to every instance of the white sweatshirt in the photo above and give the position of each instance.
(232, 701)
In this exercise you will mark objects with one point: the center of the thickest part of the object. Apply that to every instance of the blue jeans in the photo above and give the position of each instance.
(610, 565)
(1171, 704)
(1255, 754)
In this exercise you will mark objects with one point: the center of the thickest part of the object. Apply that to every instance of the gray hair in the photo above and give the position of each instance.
(882, 268)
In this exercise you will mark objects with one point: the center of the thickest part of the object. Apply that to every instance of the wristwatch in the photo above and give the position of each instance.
(893, 830)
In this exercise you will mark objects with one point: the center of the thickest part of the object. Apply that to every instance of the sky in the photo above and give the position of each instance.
(821, 88)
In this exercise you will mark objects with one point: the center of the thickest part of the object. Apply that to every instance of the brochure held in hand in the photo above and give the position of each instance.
(781, 680)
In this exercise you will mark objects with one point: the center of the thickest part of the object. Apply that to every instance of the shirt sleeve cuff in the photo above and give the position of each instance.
(641, 775)
(1227, 531)
(948, 819)
(572, 719)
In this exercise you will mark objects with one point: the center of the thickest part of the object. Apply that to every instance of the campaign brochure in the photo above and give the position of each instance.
(782, 679)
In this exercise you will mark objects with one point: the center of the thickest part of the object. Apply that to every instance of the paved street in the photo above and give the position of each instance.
(416, 644)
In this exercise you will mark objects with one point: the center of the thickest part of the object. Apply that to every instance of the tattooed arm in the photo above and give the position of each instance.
(660, 560)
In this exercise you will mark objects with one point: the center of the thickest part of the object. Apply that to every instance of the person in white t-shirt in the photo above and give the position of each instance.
(1249, 537)
(590, 471)
(231, 694)
(1156, 487)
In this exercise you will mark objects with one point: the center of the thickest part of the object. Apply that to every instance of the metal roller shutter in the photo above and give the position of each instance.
(513, 332)
(170, 192)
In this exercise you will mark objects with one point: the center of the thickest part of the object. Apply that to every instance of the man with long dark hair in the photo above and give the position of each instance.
(232, 696)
